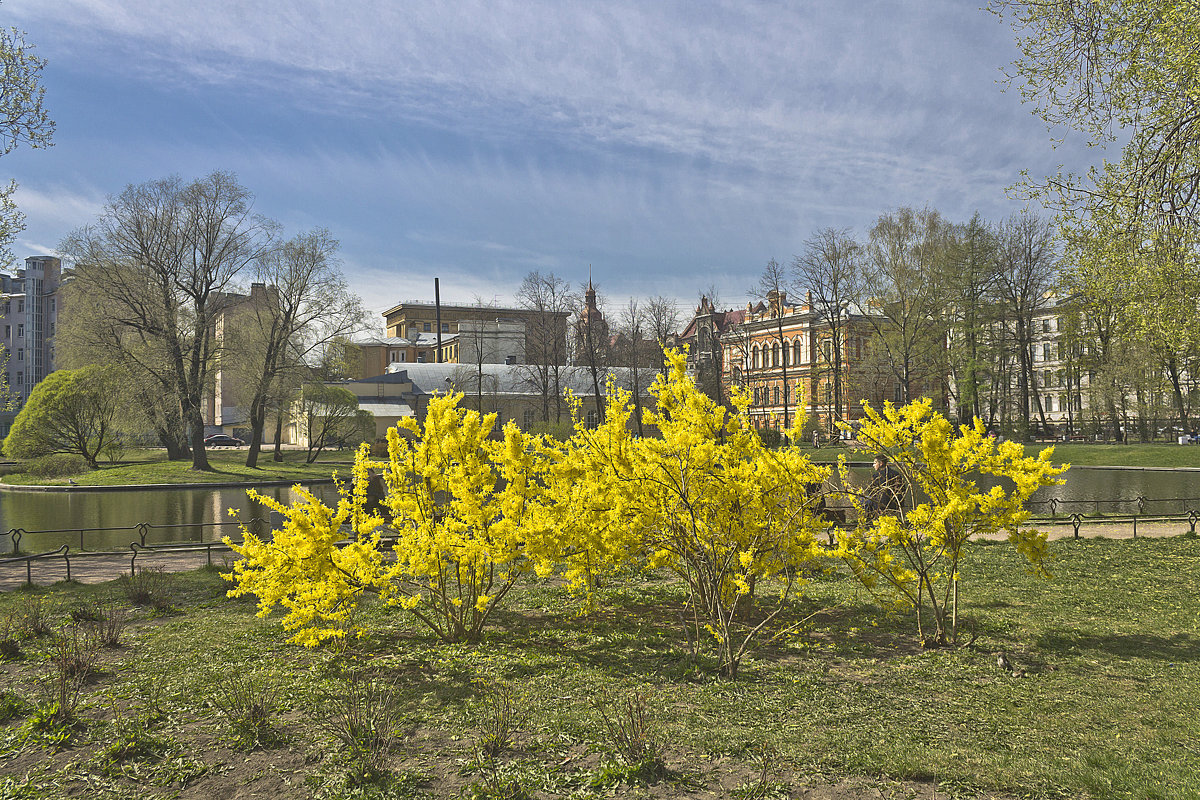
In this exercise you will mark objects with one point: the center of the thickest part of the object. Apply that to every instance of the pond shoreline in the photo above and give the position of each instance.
(133, 487)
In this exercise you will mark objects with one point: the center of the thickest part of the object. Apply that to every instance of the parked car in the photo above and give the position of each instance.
(222, 440)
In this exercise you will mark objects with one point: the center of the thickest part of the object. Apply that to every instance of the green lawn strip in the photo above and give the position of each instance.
(1122, 455)
(1110, 645)
(228, 466)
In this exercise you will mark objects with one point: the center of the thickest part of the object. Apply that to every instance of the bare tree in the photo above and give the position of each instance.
(592, 343)
(1028, 269)
(300, 303)
(773, 285)
(832, 270)
(632, 337)
(162, 259)
(549, 300)
(662, 322)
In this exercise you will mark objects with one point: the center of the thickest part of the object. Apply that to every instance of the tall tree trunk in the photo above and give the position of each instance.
(279, 434)
(258, 420)
(196, 421)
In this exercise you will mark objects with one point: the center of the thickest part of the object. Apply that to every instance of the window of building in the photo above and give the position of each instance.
(20, 306)
(527, 419)
(1046, 351)
(20, 354)
(421, 355)
(1046, 325)
(1049, 403)
(445, 327)
(8, 331)
(827, 348)
(393, 356)
(425, 327)
(899, 395)
(775, 355)
(20, 330)
(776, 395)
(796, 352)
(52, 305)
(593, 419)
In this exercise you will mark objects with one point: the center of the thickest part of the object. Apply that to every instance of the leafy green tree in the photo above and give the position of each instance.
(331, 417)
(70, 411)
(23, 120)
(902, 295)
(90, 335)
(1117, 70)
(970, 278)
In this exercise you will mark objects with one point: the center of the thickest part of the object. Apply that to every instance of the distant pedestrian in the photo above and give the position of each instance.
(886, 487)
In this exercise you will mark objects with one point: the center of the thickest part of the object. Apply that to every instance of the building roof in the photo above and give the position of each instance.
(502, 378)
(424, 339)
(451, 308)
(382, 409)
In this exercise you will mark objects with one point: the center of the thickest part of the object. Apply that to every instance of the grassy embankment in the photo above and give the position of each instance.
(1123, 455)
(229, 466)
(1106, 708)
(1074, 453)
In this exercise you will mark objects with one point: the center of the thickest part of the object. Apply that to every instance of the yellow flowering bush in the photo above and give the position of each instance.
(706, 501)
(307, 568)
(917, 553)
(462, 504)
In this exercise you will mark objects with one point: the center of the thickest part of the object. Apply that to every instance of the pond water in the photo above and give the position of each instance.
(1095, 490)
(194, 511)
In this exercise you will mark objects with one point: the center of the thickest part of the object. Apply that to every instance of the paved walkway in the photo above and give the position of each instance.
(97, 568)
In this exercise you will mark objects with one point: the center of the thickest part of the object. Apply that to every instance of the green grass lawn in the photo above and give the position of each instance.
(1128, 455)
(152, 466)
(1110, 648)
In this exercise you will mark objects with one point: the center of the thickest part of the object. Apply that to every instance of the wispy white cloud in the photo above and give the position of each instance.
(53, 208)
(672, 145)
(764, 86)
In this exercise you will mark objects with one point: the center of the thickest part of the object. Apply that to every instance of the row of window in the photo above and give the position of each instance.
(792, 353)
(426, 327)
(1061, 403)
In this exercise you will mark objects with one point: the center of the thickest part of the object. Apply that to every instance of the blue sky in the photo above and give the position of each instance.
(669, 145)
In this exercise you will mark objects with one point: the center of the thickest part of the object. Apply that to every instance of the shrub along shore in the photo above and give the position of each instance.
(194, 692)
(146, 467)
